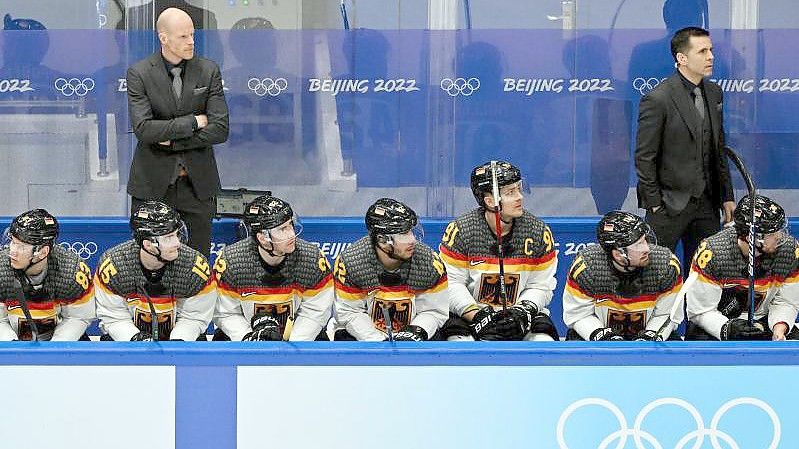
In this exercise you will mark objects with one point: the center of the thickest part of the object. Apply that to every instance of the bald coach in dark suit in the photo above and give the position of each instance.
(178, 111)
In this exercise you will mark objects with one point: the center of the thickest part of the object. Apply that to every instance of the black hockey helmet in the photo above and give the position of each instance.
(388, 216)
(154, 219)
(507, 174)
(619, 229)
(36, 227)
(769, 216)
(266, 212)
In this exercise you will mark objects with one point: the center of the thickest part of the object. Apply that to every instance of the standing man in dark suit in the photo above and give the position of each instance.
(178, 111)
(683, 175)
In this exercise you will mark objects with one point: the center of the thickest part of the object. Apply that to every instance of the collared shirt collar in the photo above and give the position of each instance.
(169, 65)
(689, 85)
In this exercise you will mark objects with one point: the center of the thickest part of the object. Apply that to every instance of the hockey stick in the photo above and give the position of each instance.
(153, 314)
(388, 321)
(344, 18)
(675, 315)
(750, 186)
(501, 291)
(23, 303)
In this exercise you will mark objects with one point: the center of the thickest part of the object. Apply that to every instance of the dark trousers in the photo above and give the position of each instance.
(196, 213)
(698, 220)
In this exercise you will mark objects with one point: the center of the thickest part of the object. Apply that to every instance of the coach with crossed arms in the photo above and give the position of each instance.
(683, 175)
(178, 111)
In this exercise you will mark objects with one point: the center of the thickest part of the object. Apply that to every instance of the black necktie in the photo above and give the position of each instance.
(177, 82)
(699, 102)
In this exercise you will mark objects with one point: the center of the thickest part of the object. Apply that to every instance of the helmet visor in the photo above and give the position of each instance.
(775, 239)
(285, 232)
(415, 234)
(644, 243)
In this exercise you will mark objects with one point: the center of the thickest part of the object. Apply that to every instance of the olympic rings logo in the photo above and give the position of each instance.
(460, 86)
(697, 435)
(74, 86)
(272, 87)
(83, 250)
(645, 85)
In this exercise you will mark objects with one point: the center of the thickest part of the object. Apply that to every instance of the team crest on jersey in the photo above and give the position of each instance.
(142, 320)
(628, 324)
(281, 311)
(489, 289)
(399, 312)
(45, 326)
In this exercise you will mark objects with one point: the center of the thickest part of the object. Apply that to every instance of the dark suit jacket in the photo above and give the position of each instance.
(669, 144)
(156, 117)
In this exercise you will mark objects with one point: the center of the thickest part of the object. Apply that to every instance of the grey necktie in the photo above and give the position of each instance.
(699, 102)
(177, 82)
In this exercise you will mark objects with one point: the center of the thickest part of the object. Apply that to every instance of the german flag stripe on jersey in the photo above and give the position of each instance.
(39, 310)
(354, 293)
(793, 277)
(512, 264)
(349, 292)
(621, 303)
(762, 284)
(274, 294)
(82, 299)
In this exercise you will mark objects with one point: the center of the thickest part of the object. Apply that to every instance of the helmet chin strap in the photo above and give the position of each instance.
(271, 249)
(626, 267)
(391, 254)
(31, 262)
(158, 254)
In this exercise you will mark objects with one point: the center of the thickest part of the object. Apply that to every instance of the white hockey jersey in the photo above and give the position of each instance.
(299, 293)
(468, 249)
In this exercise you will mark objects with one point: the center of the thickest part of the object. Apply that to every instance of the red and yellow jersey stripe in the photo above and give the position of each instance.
(491, 264)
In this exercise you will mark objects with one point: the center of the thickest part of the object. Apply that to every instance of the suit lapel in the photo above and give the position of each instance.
(684, 104)
(713, 100)
(162, 80)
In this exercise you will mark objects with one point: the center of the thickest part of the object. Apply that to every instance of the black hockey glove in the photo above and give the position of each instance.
(264, 328)
(739, 329)
(648, 335)
(605, 334)
(514, 322)
(411, 333)
(483, 325)
(142, 336)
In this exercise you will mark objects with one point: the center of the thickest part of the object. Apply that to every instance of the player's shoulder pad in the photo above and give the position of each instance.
(116, 264)
(236, 262)
(532, 233)
(465, 229)
(311, 266)
(786, 259)
(192, 270)
(587, 263)
(427, 268)
(664, 265)
(67, 272)
(718, 256)
(354, 264)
